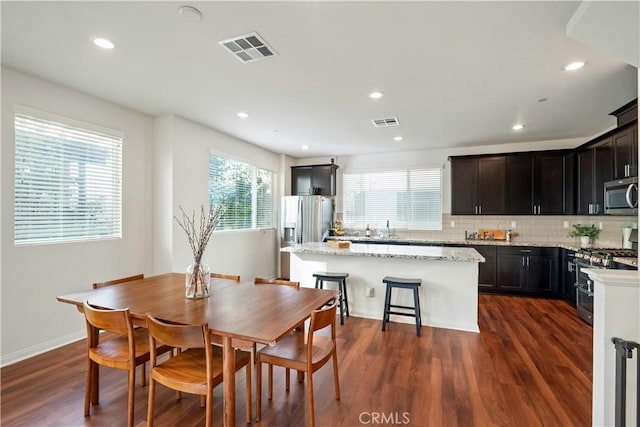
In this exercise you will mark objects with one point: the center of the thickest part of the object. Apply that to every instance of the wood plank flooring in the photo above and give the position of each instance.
(529, 366)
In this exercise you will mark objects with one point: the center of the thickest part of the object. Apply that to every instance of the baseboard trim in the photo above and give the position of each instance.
(11, 358)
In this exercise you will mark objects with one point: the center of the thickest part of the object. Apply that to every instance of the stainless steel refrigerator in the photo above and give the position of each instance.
(304, 219)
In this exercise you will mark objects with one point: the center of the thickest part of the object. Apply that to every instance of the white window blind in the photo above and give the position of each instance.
(245, 191)
(68, 182)
(408, 199)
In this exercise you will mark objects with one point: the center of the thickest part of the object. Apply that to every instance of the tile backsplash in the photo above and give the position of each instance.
(535, 229)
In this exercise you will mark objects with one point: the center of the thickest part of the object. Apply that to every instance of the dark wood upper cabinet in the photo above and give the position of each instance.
(625, 152)
(540, 183)
(478, 185)
(595, 167)
(313, 180)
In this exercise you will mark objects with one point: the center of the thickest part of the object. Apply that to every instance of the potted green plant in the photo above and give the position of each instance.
(587, 234)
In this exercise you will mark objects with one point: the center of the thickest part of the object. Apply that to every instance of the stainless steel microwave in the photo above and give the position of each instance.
(621, 196)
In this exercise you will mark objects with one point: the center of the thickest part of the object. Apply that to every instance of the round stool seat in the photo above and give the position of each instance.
(328, 276)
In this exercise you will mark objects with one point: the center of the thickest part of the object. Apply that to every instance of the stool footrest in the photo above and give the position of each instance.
(402, 306)
(397, 313)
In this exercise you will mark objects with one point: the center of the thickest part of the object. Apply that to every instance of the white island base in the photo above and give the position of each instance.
(448, 294)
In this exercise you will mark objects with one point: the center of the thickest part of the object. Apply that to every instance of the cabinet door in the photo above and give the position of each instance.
(519, 184)
(550, 184)
(623, 153)
(585, 181)
(464, 185)
(510, 269)
(323, 180)
(491, 185)
(603, 165)
(542, 274)
(487, 269)
(568, 276)
(301, 180)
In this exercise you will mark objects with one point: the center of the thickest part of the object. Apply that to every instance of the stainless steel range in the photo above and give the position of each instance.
(593, 258)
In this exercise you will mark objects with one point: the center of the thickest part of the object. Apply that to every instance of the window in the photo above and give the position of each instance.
(409, 199)
(68, 182)
(244, 190)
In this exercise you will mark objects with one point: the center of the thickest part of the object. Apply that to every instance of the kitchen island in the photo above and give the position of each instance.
(449, 290)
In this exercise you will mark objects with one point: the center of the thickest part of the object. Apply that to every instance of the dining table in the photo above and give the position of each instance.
(235, 312)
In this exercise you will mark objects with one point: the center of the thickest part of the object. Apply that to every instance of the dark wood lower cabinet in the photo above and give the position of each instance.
(487, 269)
(529, 270)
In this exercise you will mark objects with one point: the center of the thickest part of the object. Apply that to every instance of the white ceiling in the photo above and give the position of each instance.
(454, 73)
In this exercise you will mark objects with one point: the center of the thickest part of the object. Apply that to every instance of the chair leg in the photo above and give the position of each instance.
(287, 378)
(203, 400)
(95, 383)
(258, 388)
(270, 381)
(312, 417)
(248, 391)
(209, 407)
(132, 395)
(336, 380)
(87, 387)
(152, 401)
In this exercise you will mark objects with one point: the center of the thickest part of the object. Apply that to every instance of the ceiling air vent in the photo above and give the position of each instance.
(391, 121)
(248, 47)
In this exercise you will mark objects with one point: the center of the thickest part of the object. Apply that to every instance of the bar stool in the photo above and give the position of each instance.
(341, 280)
(396, 282)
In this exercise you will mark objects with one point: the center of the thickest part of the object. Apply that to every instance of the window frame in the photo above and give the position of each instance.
(115, 215)
(409, 207)
(255, 167)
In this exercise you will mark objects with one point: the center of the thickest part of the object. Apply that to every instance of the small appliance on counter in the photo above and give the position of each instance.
(630, 238)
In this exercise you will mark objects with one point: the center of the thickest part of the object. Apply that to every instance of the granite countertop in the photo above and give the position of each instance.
(399, 241)
(390, 251)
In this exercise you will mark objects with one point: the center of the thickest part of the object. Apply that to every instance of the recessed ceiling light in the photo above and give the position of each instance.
(305, 147)
(518, 126)
(103, 43)
(397, 138)
(376, 95)
(573, 66)
(243, 115)
(542, 100)
(190, 13)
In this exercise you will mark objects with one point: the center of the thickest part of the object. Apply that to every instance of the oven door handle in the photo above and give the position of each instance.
(583, 290)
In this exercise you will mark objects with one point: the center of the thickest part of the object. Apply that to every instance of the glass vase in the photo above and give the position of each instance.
(196, 280)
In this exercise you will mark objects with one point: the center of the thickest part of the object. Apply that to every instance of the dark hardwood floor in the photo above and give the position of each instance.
(530, 365)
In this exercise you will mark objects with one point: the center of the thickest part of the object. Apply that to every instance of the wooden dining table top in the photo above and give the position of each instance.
(258, 313)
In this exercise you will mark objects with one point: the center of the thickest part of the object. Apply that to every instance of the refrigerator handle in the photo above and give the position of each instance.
(300, 221)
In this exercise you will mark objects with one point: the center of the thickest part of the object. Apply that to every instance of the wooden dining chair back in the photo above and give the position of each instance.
(195, 370)
(128, 349)
(262, 281)
(117, 281)
(305, 355)
(225, 276)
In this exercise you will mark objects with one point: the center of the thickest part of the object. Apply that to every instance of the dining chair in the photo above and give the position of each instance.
(127, 350)
(196, 370)
(117, 281)
(225, 276)
(98, 285)
(294, 352)
(263, 281)
(300, 326)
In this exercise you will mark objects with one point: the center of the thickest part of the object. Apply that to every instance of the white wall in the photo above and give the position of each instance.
(32, 276)
(187, 144)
